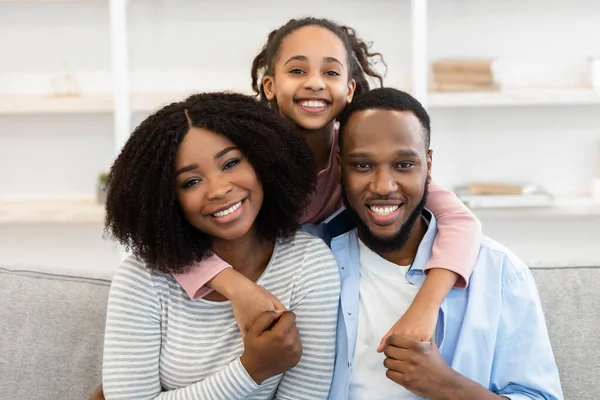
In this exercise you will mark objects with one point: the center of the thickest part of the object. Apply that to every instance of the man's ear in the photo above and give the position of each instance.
(351, 89)
(268, 84)
(429, 158)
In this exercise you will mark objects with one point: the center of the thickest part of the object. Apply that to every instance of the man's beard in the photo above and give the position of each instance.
(387, 244)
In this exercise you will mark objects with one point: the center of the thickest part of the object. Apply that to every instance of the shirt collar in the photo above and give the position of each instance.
(341, 223)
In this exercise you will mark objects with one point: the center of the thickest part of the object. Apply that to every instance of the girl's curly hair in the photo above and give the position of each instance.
(361, 60)
(142, 210)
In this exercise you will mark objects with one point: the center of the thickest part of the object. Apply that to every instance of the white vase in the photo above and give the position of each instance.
(101, 193)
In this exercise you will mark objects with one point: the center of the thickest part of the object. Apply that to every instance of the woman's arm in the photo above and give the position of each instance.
(315, 303)
(132, 346)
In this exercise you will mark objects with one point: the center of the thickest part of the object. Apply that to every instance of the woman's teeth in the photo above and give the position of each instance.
(383, 211)
(228, 211)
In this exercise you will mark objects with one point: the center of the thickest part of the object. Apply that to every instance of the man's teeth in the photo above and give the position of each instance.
(228, 211)
(313, 104)
(383, 211)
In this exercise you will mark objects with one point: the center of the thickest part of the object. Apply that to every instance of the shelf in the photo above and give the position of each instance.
(89, 211)
(51, 211)
(563, 207)
(515, 97)
(85, 104)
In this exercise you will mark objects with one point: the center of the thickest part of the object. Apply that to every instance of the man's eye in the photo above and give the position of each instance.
(362, 165)
(404, 165)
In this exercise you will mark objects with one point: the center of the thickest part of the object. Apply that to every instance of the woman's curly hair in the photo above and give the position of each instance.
(142, 210)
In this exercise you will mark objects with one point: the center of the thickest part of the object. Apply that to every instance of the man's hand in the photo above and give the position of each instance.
(418, 367)
(272, 345)
(417, 323)
(98, 394)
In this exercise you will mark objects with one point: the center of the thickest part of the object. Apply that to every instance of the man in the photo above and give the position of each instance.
(491, 340)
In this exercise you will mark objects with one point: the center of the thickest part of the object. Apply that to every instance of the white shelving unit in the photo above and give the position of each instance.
(123, 103)
(85, 104)
(51, 212)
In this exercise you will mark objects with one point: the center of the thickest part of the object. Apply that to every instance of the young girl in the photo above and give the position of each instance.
(309, 69)
(223, 174)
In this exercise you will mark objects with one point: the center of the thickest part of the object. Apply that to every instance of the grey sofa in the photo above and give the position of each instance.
(51, 331)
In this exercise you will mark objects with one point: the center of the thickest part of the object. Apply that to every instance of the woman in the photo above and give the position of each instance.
(216, 174)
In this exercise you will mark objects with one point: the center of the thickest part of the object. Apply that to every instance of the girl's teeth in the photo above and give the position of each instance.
(313, 104)
(383, 211)
(228, 211)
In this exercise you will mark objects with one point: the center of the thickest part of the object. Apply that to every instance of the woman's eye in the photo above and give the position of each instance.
(362, 165)
(230, 164)
(190, 182)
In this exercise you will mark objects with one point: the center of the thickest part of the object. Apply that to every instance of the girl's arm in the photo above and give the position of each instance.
(197, 282)
(455, 250)
(248, 299)
(459, 234)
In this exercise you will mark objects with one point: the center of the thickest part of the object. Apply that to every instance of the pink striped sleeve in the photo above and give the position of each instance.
(459, 234)
(194, 282)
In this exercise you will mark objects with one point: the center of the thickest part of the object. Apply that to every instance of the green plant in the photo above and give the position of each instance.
(103, 177)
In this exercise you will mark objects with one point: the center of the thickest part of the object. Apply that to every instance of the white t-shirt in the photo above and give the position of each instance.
(385, 294)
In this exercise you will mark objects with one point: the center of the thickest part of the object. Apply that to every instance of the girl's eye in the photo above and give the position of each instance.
(231, 163)
(296, 71)
(332, 73)
(190, 182)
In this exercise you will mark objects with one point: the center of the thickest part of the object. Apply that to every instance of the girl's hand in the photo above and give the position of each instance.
(417, 323)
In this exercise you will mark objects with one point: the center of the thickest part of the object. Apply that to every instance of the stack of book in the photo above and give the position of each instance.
(463, 75)
(497, 195)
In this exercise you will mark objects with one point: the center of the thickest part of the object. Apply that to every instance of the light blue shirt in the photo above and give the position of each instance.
(493, 332)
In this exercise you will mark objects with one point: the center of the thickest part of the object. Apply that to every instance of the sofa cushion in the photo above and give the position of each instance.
(571, 301)
(51, 335)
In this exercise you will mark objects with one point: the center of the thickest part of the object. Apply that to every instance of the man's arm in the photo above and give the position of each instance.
(524, 365)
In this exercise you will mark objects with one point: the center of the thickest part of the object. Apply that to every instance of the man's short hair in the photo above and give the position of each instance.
(387, 99)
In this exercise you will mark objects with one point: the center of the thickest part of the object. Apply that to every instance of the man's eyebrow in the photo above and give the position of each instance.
(406, 153)
(359, 155)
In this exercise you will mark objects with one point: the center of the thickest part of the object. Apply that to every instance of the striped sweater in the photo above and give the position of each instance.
(159, 344)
